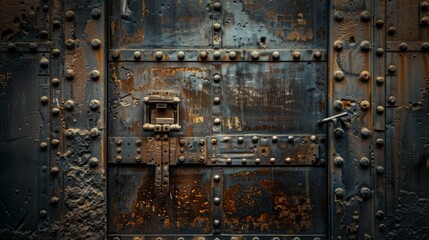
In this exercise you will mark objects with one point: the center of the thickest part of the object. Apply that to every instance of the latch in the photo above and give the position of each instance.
(338, 131)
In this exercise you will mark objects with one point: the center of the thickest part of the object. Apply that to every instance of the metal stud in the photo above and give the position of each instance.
(379, 51)
(365, 16)
(379, 23)
(217, 6)
(391, 69)
(56, 52)
(228, 161)
(137, 55)
(216, 55)
(159, 55)
(365, 133)
(55, 111)
(56, 24)
(69, 105)
(216, 223)
(391, 100)
(116, 54)
(44, 100)
(339, 16)
(217, 26)
(380, 109)
(317, 54)
(240, 140)
(364, 105)
(338, 161)
(95, 75)
(203, 54)
(95, 43)
(118, 158)
(338, 45)
(255, 55)
(44, 62)
(11, 47)
(93, 162)
(232, 55)
(380, 80)
(275, 139)
(95, 13)
(243, 161)
(216, 121)
(379, 170)
(365, 192)
(338, 76)
(69, 15)
(339, 193)
(138, 158)
(339, 105)
(391, 31)
(55, 142)
(94, 133)
(43, 145)
(364, 76)
(288, 160)
(424, 21)
(364, 162)
(296, 55)
(425, 46)
(69, 74)
(216, 100)
(94, 104)
(257, 161)
(403, 46)
(338, 133)
(216, 178)
(33, 46)
(272, 160)
(313, 138)
(181, 55)
(379, 142)
(365, 46)
(216, 201)
(276, 55)
(70, 44)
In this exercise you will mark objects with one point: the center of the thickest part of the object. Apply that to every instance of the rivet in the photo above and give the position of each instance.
(338, 45)
(217, 26)
(240, 140)
(257, 161)
(288, 160)
(364, 76)
(216, 223)
(338, 76)
(118, 158)
(217, 6)
(44, 100)
(56, 52)
(379, 23)
(33, 46)
(95, 43)
(364, 132)
(424, 6)
(275, 139)
(43, 213)
(365, 46)
(425, 46)
(216, 55)
(116, 54)
(137, 55)
(217, 121)
(380, 80)
(118, 238)
(55, 142)
(382, 227)
(255, 238)
(317, 54)
(216, 178)
(159, 55)
(95, 13)
(391, 31)
(213, 141)
(56, 24)
(392, 100)
(364, 162)
(44, 34)
(216, 201)
(365, 192)
(182, 158)
(202, 159)
(44, 62)
(232, 55)
(138, 142)
(424, 21)
(379, 214)
(403, 46)
(255, 55)
(216, 100)
(365, 16)
(55, 111)
(54, 200)
(255, 139)
(214, 160)
(380, 109)
(69, 74)
(94, 104)
(338, 133)
(118, 150)
(276, 55)
(364, 105)
(313, 138)
(118, 142)
(69, 15)
(379, 142)
(290, 139)
(94, 133)
(43, 145)
(54, 171)
(339, 105)
(243, 161)
(70, 43)
(138, 158)
(339, 193)
(202, 142)
(296, 55)
(69, 105)
(93, 162)
(11, 47)
(379, 170)
(391, 68)
(272, 160)
(203, 54)
(339, 16)
(95, 75)
(69, 133)
(338, 161)
(181, 55)
(228, 161)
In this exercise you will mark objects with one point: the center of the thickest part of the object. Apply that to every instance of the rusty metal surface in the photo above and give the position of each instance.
(214, 119)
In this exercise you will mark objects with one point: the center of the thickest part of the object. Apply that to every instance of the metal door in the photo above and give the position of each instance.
(213, 111)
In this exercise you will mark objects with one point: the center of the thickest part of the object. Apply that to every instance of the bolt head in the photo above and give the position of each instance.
(364, 162)
(55, 111)
(44, 100)
(338, 161)
(255, 55)
(43, 213)
(379, 23)
(216, 55)
(159, 55)
(54, 171)
(228, 161)
(424, 21)
(94, 132)
(56, 52)
(275, 139)
(288, 160)
(380, 109)
(379, 170)
(392, 100)
(296, 55)
(217, 6)
(364, 105)
(118, 158)
(380, 51)
(240, 140)
(339, 193)
(364, 76)
(95, 75)
(93, 162)
(338, 76)
(338, 45)
(216, 178)
(313, 138)
(365, 16)
(138, 158)
(43, 145)
(317, 54)
(276, 55)
(425, 46)
(55, 142)
(69, 74)
(70, 43)
(94, 104)
(338, 133)
(339, 16)
(243, 161)
(391, 69)
(272, 160)
(69, 15)
(96, 43)
(95, 13)
(33, 46)
(203, 54)
(216, 201)
(56, 24)
(216, 223)
(216, 100)
(232, 55)
(137, 55)
(365, 46)
(217, 121)
(365, 192)
(217, 26)
(181, 55)
(365, 133)
(380, 80)
(339, 105)
(403, 46)
(391, 31)
(69, 105)
(379, 142)
(257, 161)
(54, 200)
(290, 139)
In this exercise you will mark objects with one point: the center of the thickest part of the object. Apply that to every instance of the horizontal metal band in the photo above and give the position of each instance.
(24, 47)
(399, 46)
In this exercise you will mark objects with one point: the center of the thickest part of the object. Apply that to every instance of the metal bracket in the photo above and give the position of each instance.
(161, 112)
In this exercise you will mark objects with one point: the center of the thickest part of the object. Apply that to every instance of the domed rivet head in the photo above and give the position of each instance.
(425, 46)
(424, 21)
(216, 201)
(288, 160)
(137, 55)
(94, 132)
(216, 121)
(365, 16)
(217, 26)
(202, 158)
(272, 160)
(95, 43)
(216, 78)
(338, 105)
(379, 170)
(240, 140)
(255, 55)
(44, 62)
(339, 193)
(232, 55)
(255, 139)
(276, 55)
(55, 142)
(159, 55)
(213, 141)
(43, 145)
(11, 47)
(93, 162)
(181, 158)
(290, 139)
(43, 213)
(181, 55)
(69, 105)
(391, 69)
(69, 74)
(380, 80)
(257, 161)
(56, 24)
(55, 111)
(364, 162)
(216, 178)
(338, 161)
(403, 46)
(364, 105)
(338, 133)
(94, 104)
(44, 100)
(380, 109)
(54, 200)
(54, 171)
(338, 76)
(379, 214)
(339, 16)
(94, 75)
(365, 192)
(391, 31)
(70, 43)
(382, 227)
(69, 133)
(202, 142)
(118, 158)
(379, 142)
(365, 133)
(391, 100)
(317, 55)
(243, 161)
(214, 160)
(275, 139)
(217, 6)
(365, 46)
(379, 51)
(216, 55)
(216, 223)
(364, 76)
(69, 15)
(379, 23)
(56, 52)
(228, 161)
(95, 13)
(424, 6)
(313, 138)
(338, 45)
(296, 55)
(33, 46)
(138, 158)
(203, 54)
(116, 54)
(216, 100)
(44, 34)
